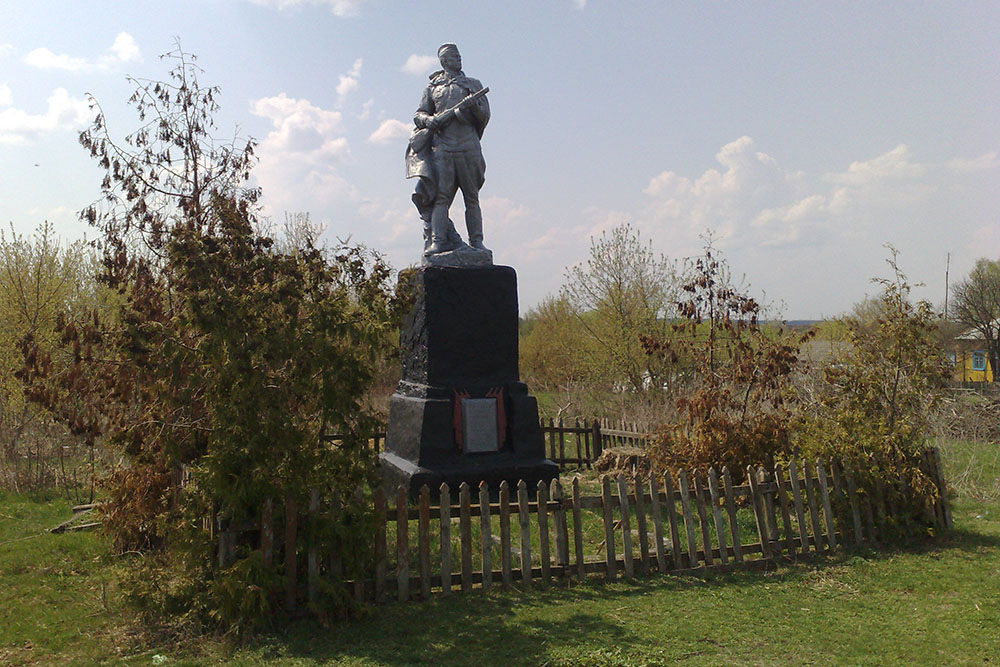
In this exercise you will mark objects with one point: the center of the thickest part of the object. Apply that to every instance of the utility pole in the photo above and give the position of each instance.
(947, 267)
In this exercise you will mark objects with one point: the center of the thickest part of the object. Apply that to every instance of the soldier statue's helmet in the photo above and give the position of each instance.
(445, 48)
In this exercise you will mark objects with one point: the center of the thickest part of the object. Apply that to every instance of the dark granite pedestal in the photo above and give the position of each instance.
(461, 413)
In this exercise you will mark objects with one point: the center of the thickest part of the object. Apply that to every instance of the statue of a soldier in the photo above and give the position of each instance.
(444, 153)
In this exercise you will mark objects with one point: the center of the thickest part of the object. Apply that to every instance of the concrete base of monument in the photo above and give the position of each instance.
(461, 413)
(474, 469)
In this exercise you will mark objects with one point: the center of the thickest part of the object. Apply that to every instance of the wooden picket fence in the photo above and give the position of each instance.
(533, 537)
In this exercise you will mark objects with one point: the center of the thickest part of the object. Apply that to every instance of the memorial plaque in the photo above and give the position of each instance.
(479, 425)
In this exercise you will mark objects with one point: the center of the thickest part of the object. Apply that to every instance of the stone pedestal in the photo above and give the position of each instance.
(461, 413)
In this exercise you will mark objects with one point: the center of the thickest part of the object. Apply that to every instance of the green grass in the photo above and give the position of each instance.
(921, 603)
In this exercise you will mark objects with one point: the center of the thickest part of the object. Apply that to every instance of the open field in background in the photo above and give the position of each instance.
(920, 603)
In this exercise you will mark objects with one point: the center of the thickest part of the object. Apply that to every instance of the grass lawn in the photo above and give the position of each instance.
(921, 603)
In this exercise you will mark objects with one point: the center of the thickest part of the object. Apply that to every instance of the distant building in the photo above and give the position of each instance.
(969, 358)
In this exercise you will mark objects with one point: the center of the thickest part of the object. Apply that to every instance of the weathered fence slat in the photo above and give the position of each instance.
(402, 546)
(505, 572)
(800, 515)
(757, 500)
(380, 547)
(720, 526)
(609, 529)
(770, 516)
(840, 500)
(640, 524)
(706, 535)
(675, 541)
(943, 490)
(786, 515)
(312, 553)
(824, 489)
(445, 538)
(852, 500)
(543, 532)
(734, 526)
(559, 520)
(626, 528)
(817, 529)
(465, 530)
(522, 517)
(654, 510)
(424, 541)
(578, 530)
(486, 536)
(291, 529)
(692, 551)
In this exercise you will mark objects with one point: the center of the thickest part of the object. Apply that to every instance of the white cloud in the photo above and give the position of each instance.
(6, 99)
(42, 58)
(349, 81)
(580, 4)
(390, 131)
(366, 110)
(5, 50)
(981, 163)
(417, 64)
(63, 112)
(892, 166)
(301, 157)
(342, 8)
(123, 50)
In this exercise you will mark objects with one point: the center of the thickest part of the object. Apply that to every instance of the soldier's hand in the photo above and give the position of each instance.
(432, 123)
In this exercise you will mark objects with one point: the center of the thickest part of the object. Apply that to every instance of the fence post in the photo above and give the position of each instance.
(505, 534)
(800, 515)
(445, 509)
(757, 500)
(424, 541)
(654, 509)
(675, 540)
(402, 545)
(688, 518)
(640, 525)
(542, 495)
(465, 530)
(626, 528)
(831, 530)
(699, 502)
(720, 529)
(942, 485)
(609, 529)
(578, 530)
(734, 527)
(598, 442)
(522, 518)
(486, 535)
(562, 541)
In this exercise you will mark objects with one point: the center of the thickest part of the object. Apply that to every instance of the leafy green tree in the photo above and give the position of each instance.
(40, 278)
(873, 415)
(228, 362)
(623, 292)
(553, 346)
(977, 305)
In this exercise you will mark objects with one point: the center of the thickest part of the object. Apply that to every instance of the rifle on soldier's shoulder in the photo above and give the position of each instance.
(419, 139)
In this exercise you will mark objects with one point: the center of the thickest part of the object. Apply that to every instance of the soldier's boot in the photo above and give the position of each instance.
(475, 229)
(439, 237)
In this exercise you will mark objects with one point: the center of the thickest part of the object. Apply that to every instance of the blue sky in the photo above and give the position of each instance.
(803, 135)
